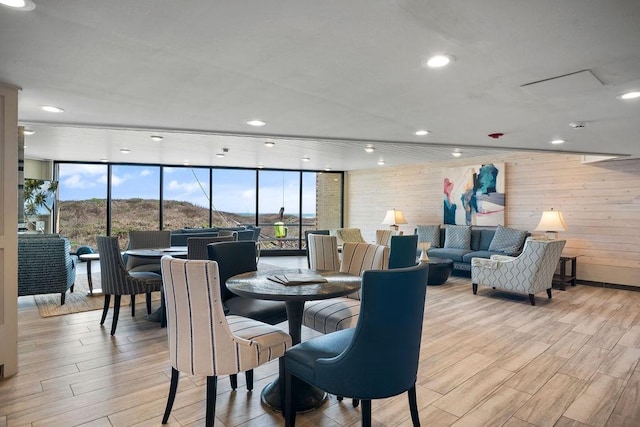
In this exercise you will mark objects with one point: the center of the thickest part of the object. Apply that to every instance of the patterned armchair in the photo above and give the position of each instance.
(530, 272)
(345, 235)
(45, 265)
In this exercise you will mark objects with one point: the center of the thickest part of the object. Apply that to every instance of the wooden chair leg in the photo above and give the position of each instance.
(339, 398)
(163, 311)
(413, 406)
(366, 413)
(233, 379)
(248, 377)
(133, 305)
(532, 299)
(289, 411)
(175, 374)
(475, 288)
(549, 293)
(62, 297)
(355, 402)
(212, 390)
(281, 370)
(116, 313)
(105, 309)
(148, 302)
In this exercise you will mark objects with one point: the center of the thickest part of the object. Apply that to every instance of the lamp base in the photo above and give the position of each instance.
(551, 235)
(423, 256)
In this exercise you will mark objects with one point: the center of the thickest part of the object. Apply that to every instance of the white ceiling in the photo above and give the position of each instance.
(328, 77)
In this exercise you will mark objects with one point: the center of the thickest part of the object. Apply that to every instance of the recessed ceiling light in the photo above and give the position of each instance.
(260, 166)
(256, 123)
(23, 5)
(305, 159)
(51, 109)
(327, 169)
(220, 155)
(558, 141)
(157, 138)
(422, 132)
(269, 144)
(104, 160)
(28, 131)
(438, 61)
(25, 147)
(369, 148)
(381, 162)
(456, 154)
(629, 95)
(125, 150)
(186, 163)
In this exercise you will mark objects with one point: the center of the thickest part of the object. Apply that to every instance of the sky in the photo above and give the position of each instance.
(234, 189)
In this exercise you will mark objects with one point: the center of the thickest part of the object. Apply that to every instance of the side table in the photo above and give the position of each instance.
(565, 277)
(89, 258)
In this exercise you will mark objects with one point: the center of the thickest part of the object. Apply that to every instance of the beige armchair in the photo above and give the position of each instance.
(530, 272)
(345, 235)
(383, 237)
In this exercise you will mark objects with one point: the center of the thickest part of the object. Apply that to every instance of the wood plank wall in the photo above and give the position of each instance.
(599, 201)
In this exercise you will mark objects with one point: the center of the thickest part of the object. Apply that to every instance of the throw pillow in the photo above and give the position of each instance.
(429, 233)
(458, 237)
(507, 240)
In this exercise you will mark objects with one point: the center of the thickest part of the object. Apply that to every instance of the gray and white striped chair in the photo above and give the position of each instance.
(202, 340)
(334, 314)
(323, 252)
(145, 239)
(116, 280)
(197, 246)
(383, 237)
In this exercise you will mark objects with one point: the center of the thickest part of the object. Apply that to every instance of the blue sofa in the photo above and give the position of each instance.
(179, 237)
(479, 247)
(45, 265)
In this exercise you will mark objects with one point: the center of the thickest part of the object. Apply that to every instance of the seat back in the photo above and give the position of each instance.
(383, 237)
(323, 252)
(197, 246)
(382, 358)
(226, 233)
(359, 257)
(402, 251)
(306, 241)
(345, 235)
(200, 340)
(114, 278)
(232, 258)
(145, 239)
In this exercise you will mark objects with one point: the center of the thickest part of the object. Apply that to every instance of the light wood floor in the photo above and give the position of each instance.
(490, 360)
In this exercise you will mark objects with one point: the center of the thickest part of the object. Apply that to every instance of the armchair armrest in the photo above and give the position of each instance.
(502, 258)
(484, 263)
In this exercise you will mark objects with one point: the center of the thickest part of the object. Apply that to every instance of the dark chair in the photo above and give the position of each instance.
(236, 258)
(402, 251)
(117, 281)
(146, 239)
(376, 359)
(197, 246)
(202, 340)
(306, 240)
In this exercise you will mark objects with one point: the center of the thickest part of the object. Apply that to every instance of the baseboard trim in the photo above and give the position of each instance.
(609, 285)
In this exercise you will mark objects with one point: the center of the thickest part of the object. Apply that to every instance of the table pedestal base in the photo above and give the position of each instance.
(305, 396)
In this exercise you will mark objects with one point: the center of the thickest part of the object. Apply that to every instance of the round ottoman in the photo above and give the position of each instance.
(439, 270)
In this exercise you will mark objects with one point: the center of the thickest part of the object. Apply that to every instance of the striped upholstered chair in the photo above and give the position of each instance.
(383, 237)
(202, 340)
(334, 314)
(323, 252)
(145, 239)
(116, 280)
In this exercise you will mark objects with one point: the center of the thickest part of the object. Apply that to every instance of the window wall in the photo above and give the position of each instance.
(116, 198)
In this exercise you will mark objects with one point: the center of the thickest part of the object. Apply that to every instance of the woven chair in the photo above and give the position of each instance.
(197, 246)
(117, 281)
(202, 340)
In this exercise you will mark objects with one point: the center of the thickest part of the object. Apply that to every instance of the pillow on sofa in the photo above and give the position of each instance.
(429, 233)
(507, 240)
(457, 237)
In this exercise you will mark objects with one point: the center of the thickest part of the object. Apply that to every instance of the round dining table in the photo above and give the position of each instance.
(261, 285)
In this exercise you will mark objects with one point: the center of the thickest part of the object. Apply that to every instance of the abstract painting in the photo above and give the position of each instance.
(474, 195)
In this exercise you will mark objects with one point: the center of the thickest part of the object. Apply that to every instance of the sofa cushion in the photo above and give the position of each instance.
(448, 253)
(429, 233)
(458, 237)
(507, 240)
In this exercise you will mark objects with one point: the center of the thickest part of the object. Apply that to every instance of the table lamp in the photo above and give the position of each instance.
(551, 222)
(393, 218)
(424, 246)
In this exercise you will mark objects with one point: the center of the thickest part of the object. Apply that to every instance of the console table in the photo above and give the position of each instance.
(565, 277)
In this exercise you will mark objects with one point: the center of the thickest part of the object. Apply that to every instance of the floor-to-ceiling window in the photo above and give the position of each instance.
(186, 197)
(234, 197)
(279, 208)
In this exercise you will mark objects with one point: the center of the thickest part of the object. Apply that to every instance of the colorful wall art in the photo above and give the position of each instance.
(474, 195)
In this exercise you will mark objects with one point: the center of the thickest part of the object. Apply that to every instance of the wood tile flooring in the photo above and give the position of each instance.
(487, 360)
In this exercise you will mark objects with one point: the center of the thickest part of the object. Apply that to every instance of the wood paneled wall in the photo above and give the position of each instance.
(599, 201)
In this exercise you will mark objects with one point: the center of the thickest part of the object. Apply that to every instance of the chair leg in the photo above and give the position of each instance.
(72, 286)
(163, 311)
(62, 297)
(233, 379)
(532, 299)
(105, 309)
(289, 412)
(212, 390)
(281, 379)
(366, 413)
(339, 398)
(148, 302)
(413, 406)
(248, 377)
(116, 313)
(475, 288)
(355, 402)
(175, 374)
(133, 305)
(549, 293)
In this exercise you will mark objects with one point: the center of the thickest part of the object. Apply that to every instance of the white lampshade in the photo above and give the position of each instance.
(393, 218)
(551, 222)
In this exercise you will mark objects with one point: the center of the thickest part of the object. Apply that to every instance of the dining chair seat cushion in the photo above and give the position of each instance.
(301, 358)
(331, 315)
(147, 268)
(269, 341)
(270, 312)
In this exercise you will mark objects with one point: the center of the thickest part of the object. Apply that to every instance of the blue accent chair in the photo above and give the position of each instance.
(376, 359)
(402, 251)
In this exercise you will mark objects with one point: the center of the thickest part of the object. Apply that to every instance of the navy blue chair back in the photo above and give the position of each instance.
(233, 258)
(403, 250)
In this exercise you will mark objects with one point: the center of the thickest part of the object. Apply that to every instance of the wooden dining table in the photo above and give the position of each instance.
(260, 284)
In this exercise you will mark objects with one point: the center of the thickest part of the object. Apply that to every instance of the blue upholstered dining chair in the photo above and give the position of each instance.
(379, 357)
(116, 280)
(202, 340)
(403, 251)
